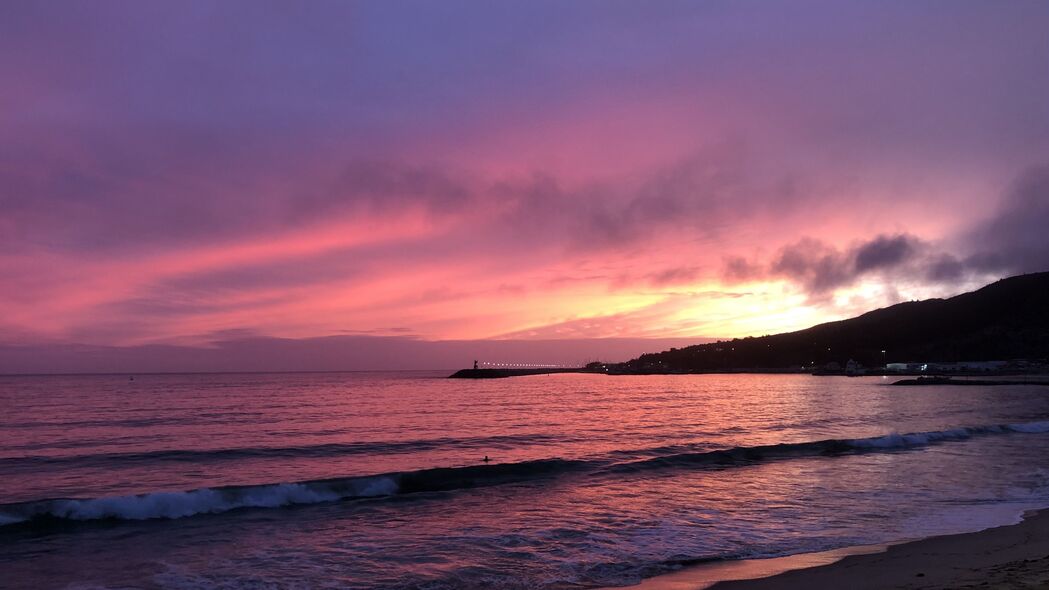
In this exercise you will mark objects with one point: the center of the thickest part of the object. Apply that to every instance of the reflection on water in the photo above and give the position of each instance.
(584, 515)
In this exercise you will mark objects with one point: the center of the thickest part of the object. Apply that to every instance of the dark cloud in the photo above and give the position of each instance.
(127, 196)
(1016, 238)
(700, 195)
(107, 198)
(736, 269)
(820, 268)
(884, 252)
(945, 268)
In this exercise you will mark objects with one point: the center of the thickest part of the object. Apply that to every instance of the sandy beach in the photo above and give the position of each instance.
(1015, 556)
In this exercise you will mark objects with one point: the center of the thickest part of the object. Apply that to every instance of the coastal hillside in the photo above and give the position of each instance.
(1007, 319)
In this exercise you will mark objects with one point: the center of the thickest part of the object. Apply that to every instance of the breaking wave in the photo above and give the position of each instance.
(180, 504)
(828, 447)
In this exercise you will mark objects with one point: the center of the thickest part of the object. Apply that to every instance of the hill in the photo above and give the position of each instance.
(1007, 319)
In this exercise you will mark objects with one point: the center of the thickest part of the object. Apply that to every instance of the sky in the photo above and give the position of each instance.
(216, 176)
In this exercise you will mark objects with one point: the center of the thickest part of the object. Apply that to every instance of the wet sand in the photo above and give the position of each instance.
(1015, 556)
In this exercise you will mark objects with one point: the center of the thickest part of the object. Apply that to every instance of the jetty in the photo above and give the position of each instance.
(501, 373)
(949, 381)
(502, 370)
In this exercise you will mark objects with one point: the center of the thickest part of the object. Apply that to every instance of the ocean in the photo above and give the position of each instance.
(378, 480)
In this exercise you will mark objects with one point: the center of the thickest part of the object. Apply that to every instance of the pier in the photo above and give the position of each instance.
(503, 370)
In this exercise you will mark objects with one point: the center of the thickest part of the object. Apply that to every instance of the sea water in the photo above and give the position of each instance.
(378, 480)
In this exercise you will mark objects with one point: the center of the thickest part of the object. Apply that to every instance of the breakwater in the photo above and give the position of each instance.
(500, 373)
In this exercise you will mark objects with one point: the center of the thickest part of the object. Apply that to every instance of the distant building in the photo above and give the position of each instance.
(951, 367)
(968, 366)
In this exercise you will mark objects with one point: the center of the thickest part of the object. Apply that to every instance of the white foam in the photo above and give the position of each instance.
(172, 505)
(889, 441)
(378, 486)
(9, 519)
(146, 506)
(915, 439)
(1030, 427)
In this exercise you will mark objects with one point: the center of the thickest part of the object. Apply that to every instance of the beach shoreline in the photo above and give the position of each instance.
(1008, 556)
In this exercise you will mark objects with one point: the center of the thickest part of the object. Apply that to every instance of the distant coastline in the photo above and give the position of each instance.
(1000, 329)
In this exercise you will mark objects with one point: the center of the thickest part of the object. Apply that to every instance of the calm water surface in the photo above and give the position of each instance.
(375, 480)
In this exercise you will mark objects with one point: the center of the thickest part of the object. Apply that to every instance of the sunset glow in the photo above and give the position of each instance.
(501, 173)
(507, 294)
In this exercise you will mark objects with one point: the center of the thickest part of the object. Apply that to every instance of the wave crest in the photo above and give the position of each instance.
(181, 504)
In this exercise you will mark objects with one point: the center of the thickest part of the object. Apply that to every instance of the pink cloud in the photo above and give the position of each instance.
(580, 176)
